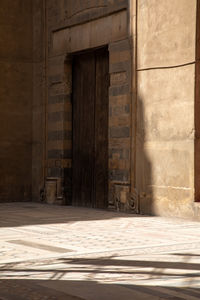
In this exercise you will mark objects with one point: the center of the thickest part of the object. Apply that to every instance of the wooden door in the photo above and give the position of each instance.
(83, 128)
(90, 129)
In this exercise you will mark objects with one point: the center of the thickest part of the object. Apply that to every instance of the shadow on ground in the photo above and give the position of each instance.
(100, 273)
(21, 214)
(85, 290)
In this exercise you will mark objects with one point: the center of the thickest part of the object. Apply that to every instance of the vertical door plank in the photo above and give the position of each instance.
(101, 128)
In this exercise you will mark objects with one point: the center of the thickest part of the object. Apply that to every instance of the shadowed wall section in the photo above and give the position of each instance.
(15, 99)
(40, 47)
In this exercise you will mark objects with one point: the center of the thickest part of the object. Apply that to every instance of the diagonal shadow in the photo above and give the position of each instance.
(22, 214)
(87, 290)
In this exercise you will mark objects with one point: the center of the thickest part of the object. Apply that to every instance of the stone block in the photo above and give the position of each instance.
(119, 90)
(119, 175)
(59, 135)
(119, 132)
(166, 104)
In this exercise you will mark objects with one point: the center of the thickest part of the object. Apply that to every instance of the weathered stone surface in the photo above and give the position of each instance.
(59, 116)
(57, 153)
(119, 153)
(16, 30)
(55, 172)
(119, 90)
(120, 110)
(119, 175)
(118, 78)
(166, 101)
(120, 66)
(165, 107)
(119, 132)
(92, 34)
(59, 135)
(166, 32)
(59, 99)
(119, 46)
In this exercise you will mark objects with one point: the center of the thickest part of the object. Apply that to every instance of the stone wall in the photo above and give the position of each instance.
(15, 100)
(165, 132)
(153, 99)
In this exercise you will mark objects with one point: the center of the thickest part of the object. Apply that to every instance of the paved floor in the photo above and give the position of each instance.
(67, 253)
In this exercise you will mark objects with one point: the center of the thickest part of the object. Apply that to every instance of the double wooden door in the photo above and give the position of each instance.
(90, 129)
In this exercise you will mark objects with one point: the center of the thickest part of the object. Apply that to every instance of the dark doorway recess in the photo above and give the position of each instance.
(90, 129)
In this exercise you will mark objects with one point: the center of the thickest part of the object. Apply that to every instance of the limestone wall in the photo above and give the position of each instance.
(166, 38)
(15, 99)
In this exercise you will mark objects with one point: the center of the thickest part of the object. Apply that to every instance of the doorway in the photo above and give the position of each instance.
(90, 129)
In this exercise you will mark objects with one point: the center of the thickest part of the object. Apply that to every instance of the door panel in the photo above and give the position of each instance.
(101, 128)
(83, 128)
(90, 129)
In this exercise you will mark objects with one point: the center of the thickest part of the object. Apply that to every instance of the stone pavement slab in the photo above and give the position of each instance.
(61, 252)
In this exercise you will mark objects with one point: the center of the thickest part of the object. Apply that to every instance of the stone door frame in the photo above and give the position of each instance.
(112, 31)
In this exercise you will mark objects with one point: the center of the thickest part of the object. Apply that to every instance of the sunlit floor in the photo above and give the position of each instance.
(65, 253)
